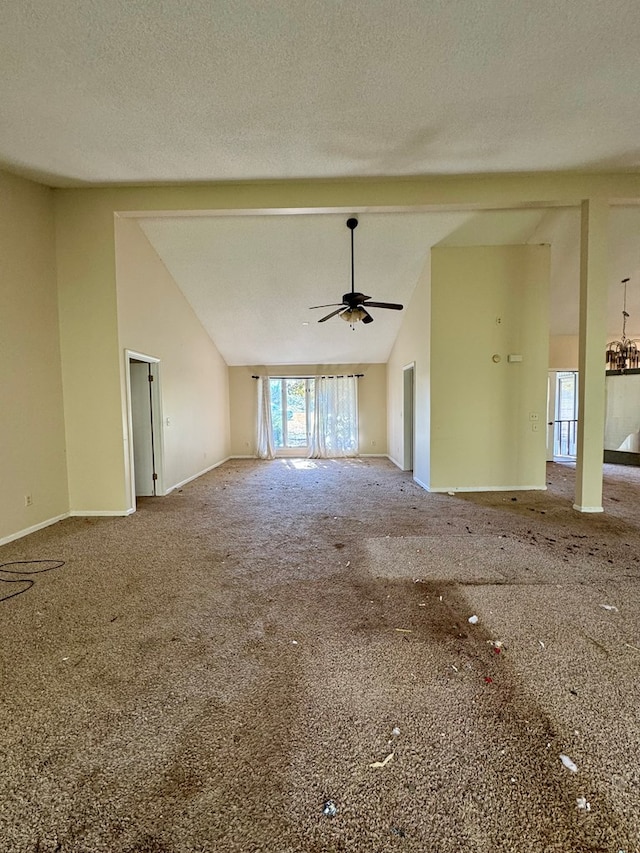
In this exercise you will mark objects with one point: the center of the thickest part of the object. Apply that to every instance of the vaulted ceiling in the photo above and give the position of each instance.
(132, 92)
(252, 279)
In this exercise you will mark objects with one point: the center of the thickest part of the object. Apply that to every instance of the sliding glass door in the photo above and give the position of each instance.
(291, 401)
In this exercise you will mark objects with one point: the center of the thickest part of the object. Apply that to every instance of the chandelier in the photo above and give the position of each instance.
(625, 353)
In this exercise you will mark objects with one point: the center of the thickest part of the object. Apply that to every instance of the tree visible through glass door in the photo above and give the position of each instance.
(290, 404)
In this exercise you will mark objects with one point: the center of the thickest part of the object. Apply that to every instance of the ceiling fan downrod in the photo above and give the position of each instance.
(352, 224)
(353, 308)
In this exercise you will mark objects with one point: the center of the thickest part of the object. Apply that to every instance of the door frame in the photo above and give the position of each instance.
(301, 451)
(408, 424)
(157, 433)
(553, 422)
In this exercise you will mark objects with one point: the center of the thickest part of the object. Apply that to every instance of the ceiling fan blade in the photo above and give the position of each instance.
(332, 305)
(393, 305)
(333, 314)
(367, 318)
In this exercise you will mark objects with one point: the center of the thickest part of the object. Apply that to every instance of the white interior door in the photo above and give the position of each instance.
(408, 417)
(142, 423)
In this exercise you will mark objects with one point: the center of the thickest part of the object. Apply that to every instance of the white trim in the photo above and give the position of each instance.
(244, 456)
(33, 529)
(100, 512)
(140, 356)
(421, 484)
(395, 461)
(588, 508)
(158, 424)
(489, 489)
(370, 456)
(200, 473)
(412, 367)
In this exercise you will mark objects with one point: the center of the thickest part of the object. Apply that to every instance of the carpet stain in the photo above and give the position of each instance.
(266, 653)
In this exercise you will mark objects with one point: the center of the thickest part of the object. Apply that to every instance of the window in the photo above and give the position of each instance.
(307, 416)
(291, 407)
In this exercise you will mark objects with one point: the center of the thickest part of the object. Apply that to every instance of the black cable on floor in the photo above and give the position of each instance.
(56, 565)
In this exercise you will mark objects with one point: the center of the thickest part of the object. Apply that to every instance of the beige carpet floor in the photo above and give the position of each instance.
(205, 674)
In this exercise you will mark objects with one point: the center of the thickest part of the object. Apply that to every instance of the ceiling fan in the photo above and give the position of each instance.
(353, 307)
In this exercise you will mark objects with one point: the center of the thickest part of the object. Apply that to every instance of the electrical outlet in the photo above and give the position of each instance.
(535, 427)
(28, 500)
(373, 444)
(534, 416)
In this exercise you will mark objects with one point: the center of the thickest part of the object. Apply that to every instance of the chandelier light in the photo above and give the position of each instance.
(625, 353)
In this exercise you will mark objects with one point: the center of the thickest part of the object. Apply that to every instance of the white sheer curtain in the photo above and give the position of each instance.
(334, 431)
(265, 442)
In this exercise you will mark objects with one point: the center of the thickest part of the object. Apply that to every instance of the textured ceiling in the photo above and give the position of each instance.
(251, 279)
(134, 91)
(561, 228)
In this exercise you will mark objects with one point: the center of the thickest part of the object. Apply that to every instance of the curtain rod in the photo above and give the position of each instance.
(316, 376)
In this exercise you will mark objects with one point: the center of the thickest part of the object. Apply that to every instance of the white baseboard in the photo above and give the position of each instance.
(395, 461)
(199, 474)
(372, 456)
(244, 456)
(90, 513)
(33, 529)
(421, 484)
(588, 508)
(489, 489)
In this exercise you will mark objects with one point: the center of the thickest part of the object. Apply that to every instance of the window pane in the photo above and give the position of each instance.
(296, 412)
(276, 411)
(566, 426)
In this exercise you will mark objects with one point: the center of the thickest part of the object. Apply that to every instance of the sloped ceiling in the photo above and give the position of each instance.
(132, 92)
(128, 91)
(252, 279)
(561, 228)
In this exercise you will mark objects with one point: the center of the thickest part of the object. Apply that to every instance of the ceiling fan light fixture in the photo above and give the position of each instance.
(353, 308)
(353, 315)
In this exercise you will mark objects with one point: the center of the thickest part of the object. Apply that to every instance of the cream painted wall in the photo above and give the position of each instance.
(495, 301)
(86, 279)
(91, 376)
(412, 345)
(372, 402)
(155, 319)
(622, 419)
(32, 449)
(563, 352)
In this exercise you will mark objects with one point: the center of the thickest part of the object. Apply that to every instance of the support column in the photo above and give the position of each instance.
(593, 312)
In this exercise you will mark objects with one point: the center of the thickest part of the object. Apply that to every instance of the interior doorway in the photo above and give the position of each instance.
(145, 445)
(408, 397)
(562, 435)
